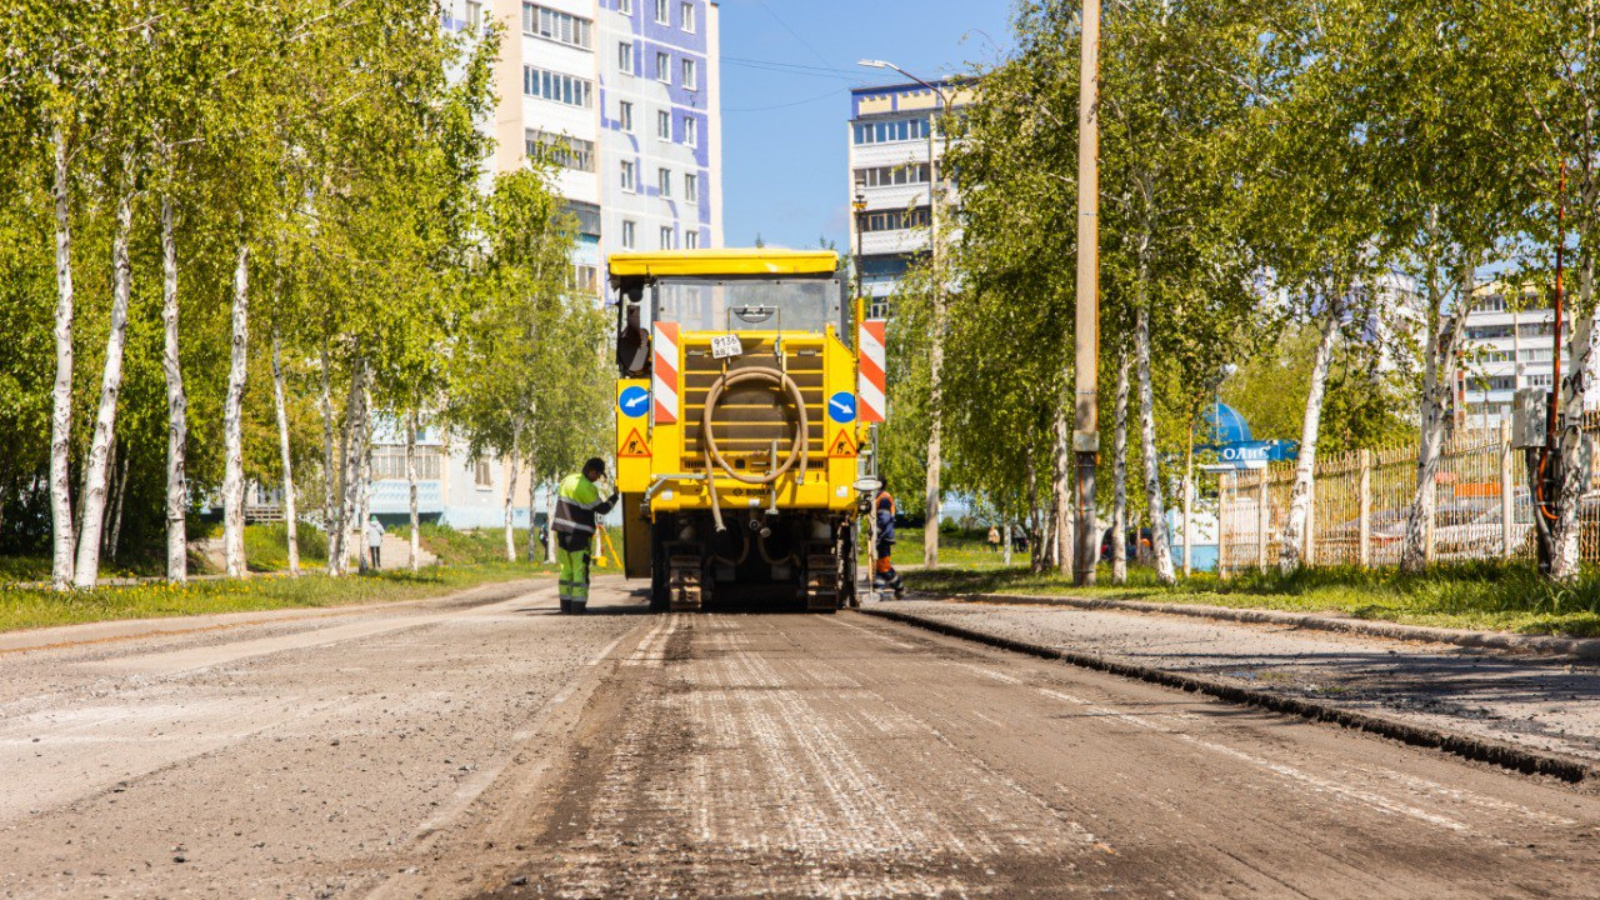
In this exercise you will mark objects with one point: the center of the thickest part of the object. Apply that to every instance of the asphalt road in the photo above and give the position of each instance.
(485, 747)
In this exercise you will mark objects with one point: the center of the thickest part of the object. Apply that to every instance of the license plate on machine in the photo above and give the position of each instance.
(726, 346)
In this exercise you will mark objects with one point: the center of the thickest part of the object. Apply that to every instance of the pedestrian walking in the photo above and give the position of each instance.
(375, 531)
(577, 506)
(884, 575)
(994, 539)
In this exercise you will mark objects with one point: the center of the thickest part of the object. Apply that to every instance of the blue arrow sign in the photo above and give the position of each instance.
(842, 407)
(634, 401)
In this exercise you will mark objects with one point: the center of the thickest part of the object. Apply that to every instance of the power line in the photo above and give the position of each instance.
(776, 70)
(803, 42)
(833, 93)
(789, 65)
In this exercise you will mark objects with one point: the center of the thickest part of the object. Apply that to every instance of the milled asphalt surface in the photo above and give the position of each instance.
(1533, 701)
(482, 746)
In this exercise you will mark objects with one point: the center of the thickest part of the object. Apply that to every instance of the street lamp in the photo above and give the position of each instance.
(860, 206)
(930, 541)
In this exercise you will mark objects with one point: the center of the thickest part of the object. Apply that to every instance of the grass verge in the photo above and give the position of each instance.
(35, 608)
(1477, 596)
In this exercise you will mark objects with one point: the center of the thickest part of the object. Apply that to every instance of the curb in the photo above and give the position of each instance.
(1519, 759)
(1587, 649)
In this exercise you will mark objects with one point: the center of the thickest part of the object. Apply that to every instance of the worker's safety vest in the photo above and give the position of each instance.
(576, 506)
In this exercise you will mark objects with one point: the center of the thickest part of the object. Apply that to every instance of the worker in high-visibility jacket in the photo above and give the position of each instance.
(577, 506)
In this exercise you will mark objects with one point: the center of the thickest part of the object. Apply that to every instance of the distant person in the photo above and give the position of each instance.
(375, 532)
(577, 506)
(994, 539)
(884, 575)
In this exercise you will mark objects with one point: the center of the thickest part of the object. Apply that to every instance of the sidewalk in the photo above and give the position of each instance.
(1543, 704)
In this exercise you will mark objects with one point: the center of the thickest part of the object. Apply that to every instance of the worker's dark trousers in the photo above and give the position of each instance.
(884, 574)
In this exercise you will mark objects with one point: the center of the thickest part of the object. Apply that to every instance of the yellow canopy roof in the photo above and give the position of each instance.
(751, 261)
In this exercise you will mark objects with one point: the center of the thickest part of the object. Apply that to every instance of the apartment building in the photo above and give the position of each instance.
(892, 168)
(624, 98)
(1509, 343)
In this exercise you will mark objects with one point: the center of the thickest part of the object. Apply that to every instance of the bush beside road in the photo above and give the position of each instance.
(1477, 596)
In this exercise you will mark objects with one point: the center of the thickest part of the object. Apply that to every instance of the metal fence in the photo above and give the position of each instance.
(1360, 502)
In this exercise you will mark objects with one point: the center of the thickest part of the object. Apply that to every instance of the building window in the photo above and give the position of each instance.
(664, 125)
(898, 219)
(625, 115)
(691, 131)
(554, 25)
(691, 188)
(585, 278)
(885, 176)
(625, 7)
(389, 464)
(560, 150)
(629, 181)
(474, 16)
(664, 67)
(895, 130)
(689, 77)
(664, 182)
(625, 57)
(483, 475)
(686, 16)
(691, 240)
(629, 239)
(666, 237)
(557, 88)
(661, 11)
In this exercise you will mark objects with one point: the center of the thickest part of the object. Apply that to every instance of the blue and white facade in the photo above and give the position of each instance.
(890, 166)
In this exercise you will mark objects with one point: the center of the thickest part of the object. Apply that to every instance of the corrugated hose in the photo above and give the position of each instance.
(799, 449)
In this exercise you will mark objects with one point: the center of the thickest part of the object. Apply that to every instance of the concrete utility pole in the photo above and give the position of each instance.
(930, 534)
(1086, 356)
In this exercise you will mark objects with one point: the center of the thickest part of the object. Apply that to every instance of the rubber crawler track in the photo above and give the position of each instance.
(1517, 759)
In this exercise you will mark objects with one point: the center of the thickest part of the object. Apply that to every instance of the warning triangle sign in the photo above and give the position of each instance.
(635, 447)
(842, 447)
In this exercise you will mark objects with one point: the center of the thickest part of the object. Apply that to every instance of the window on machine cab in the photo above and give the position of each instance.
(751, 304)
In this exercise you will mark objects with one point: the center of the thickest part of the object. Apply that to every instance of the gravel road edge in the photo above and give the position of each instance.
(1509, 756)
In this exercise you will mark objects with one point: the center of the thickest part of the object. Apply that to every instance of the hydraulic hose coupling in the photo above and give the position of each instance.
(799, 448)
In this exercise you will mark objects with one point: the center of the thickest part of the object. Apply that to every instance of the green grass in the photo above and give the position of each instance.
(958, 549)
(36, 608)
(488, 546)
(266, 547)
(1490, 596)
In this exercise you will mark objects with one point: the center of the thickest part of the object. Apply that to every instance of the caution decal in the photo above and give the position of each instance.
(842, 447)
(635, 447)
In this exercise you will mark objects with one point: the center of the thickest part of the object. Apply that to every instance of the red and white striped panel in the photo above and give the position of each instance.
(664, 383)
(873, 383)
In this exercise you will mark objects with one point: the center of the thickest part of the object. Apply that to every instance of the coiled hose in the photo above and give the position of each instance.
(799, 449)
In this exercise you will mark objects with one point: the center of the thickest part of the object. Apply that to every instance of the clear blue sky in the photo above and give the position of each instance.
(788, 66)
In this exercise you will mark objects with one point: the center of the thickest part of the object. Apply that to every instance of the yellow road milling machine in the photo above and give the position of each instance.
(742, 402)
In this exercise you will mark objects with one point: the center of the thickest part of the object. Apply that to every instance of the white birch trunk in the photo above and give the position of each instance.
(411, 490)
(1119, 479)
(511, 497)
(350, 474)
(61, 568)
(1294, 530)
(1066, 520)
(1437, 382)
(233, 420)
(290, 513)
(332, 526)
(533, 504)
(177, 406)
(1005, 535)
(365, 481)
(97, 471)
(550, 517)
(1565, 555)
(930, 534)
(1160, 546)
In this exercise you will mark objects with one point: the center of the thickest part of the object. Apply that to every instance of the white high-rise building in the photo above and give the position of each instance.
(625, 97)
(1509, 344)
